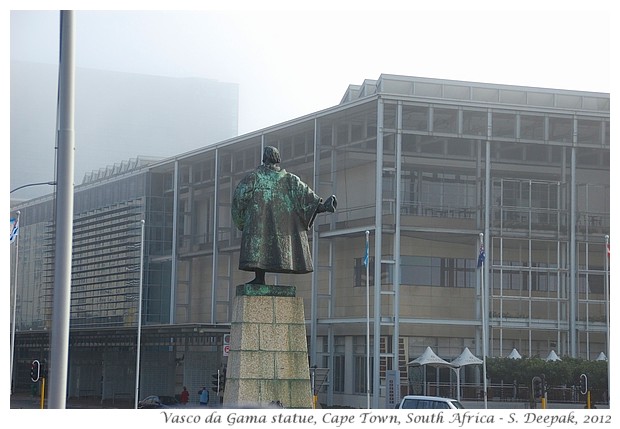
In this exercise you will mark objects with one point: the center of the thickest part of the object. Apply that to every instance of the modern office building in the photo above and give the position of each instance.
(435, 170)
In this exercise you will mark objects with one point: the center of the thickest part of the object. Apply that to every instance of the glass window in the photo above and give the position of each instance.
(589, 131)
(454, 91)
(596, 103)
(537, 153)
(389, 116)
(427, 89)
(415, 118)
(540, 99)
(532, 127)
(339, 373)
(445, 120)
(568, 101)
(512, 97)
(485, 94)
(561, 129)
(436, 271)
(360, 368)
(504, 124)
(460, 147)
(606, 138)
(360, 272)
(475, 122)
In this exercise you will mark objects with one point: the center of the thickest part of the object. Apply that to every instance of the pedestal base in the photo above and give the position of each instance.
(268, 358)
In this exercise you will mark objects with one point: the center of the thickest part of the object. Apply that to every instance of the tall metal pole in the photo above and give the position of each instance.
(376, 364)
(14, 303)
(607, 293)
(59, 346)
(139, 339)
(484, 239)
(366, 258)
(573, 269)
(484, 324)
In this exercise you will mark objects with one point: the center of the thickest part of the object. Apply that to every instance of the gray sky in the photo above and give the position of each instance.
(295, 61)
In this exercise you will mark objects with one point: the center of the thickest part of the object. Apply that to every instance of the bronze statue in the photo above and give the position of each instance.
(274, 210)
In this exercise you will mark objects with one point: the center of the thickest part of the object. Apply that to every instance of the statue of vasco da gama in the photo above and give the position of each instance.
(274, 210)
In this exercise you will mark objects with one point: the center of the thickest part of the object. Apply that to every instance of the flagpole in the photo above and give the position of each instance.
(138, 340)
(367, 322)
(14, 302)
(482, 256)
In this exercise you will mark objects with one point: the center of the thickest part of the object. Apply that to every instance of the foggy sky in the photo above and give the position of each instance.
(292, 63)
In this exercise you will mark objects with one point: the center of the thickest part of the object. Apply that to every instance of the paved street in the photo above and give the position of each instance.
(26, 401)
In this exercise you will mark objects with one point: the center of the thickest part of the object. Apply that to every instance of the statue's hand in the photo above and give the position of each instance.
(331, 204)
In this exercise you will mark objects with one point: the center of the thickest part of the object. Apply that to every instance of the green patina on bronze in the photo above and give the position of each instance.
(274, 210)
(252, 289)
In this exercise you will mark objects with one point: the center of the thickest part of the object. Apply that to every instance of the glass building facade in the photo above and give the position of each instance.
(434, 170)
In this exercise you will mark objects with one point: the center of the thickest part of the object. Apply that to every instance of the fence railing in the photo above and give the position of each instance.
(510, 392)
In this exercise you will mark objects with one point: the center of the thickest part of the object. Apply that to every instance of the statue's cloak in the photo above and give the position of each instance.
(274, 210)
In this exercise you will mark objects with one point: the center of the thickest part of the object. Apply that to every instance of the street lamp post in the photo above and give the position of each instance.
(52, 183)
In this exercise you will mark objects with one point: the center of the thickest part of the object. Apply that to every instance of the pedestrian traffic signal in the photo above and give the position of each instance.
(35, 371)
(537, 387)
(583, 384)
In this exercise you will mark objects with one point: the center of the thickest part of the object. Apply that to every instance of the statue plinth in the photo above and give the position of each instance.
(252, 289)
(268, 358)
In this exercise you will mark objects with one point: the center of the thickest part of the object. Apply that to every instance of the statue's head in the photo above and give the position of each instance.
(271, 155)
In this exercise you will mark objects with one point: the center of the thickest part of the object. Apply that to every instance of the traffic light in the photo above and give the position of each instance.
(219, 381)
(583, 384)
(35, 371)
(216, 382)
(537, 387)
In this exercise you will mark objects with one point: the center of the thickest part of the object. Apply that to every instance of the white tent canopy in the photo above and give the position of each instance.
(466, 358)
(514, 354)
(601, 356)
(430, 358)
(552, 356)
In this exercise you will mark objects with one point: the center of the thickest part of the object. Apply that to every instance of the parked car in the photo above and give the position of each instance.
(155, 401)
(428, 402)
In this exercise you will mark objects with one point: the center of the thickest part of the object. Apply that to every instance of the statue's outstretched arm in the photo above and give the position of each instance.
(329, 205)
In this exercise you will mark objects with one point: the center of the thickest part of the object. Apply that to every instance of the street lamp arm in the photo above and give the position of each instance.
(33, 184)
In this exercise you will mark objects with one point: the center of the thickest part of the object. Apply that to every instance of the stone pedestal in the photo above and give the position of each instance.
(268, 358)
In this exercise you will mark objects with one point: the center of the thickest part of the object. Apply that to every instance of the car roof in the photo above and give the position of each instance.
(434, 398)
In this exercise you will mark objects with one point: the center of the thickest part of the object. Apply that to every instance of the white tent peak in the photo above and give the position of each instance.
(430, 358)
(552, 356)
(514, 354)
(466, 358)
(601, 356)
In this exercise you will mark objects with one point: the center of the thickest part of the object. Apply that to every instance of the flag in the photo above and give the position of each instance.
(365, 260)
(14, 228)
(481, 256)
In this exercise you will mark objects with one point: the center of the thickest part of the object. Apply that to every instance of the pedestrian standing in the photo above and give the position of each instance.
(184, 396)
(204, 396)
